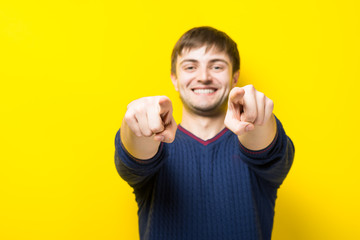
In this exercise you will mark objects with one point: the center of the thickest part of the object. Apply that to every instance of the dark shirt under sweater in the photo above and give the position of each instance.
(215, 189)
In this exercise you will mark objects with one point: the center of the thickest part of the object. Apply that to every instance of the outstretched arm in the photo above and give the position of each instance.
(250, 116)
(147, 122)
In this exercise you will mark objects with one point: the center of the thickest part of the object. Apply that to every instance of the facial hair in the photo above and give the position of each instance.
(215, 109)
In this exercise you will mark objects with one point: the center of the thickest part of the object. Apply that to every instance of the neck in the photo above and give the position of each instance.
(204, 127)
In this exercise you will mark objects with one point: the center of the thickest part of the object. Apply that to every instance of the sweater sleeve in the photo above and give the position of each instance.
(134, 171)
(272, 163)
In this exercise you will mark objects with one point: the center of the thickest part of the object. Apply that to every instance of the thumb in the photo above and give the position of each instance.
(237, 126)
(168, 135)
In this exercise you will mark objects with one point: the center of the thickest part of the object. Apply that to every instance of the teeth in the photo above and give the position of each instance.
(204, 91)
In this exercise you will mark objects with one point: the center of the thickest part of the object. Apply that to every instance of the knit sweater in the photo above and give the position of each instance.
(214, 189)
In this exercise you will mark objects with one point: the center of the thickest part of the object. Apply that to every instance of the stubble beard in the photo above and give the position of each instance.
(215, 109)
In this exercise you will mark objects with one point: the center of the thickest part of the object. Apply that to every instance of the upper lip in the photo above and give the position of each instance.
(203, 87)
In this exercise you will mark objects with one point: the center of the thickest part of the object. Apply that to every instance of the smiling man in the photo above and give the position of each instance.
(215, 175)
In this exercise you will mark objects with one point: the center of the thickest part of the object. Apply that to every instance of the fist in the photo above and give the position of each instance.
(152, 117)
(247, 108)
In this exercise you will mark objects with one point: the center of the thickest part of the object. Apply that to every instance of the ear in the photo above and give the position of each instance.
(235, 78)
(174, 81)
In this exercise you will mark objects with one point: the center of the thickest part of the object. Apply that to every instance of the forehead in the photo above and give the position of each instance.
(203, 53)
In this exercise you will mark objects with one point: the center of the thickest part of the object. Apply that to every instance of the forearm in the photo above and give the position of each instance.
(261, 136)
(139, 147)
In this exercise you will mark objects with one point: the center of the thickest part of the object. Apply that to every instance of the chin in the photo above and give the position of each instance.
(213, 110)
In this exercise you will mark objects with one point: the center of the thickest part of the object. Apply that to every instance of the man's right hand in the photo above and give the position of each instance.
(152, 117)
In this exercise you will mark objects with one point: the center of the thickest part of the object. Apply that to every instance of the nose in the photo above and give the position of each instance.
(204, 75)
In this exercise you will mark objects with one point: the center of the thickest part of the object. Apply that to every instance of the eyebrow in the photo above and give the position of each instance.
(211, 61)
(219, 60)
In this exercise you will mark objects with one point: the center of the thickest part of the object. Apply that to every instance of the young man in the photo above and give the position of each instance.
(216, 175)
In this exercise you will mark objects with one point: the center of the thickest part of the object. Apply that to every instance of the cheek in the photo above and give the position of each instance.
(184, 80)
(225, 79)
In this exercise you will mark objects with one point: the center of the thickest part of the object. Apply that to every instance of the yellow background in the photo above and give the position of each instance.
(69, 68)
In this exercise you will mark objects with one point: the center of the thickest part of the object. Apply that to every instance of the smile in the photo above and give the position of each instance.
(204, 90)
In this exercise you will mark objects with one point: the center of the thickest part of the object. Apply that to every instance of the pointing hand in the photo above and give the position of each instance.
(247, 108)
(152, 116)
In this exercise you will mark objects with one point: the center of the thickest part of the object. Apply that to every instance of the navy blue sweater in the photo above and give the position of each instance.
(214, 189)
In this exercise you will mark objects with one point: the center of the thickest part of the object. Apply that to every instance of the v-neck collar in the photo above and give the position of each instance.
(203, 142)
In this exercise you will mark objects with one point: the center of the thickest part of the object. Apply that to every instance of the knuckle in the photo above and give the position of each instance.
(147, 133)
(250, 87)
(138, 108)
(156, 129)
(134, 103)
(129, 105)
(163, 97)
(140, 104)
(261, 96)
(129, 116)
(270, 103)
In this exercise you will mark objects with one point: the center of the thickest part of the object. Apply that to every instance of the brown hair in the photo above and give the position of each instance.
(209, 37)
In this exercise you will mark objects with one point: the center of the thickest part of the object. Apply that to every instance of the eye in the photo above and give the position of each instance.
(217, 67)
(189, 68)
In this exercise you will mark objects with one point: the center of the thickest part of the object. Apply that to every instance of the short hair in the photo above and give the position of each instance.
(209, 37)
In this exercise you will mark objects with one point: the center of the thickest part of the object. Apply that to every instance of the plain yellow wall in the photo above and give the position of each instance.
(69, 68)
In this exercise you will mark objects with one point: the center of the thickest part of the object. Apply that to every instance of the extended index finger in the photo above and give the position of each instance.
(237, 95)
(165, 109)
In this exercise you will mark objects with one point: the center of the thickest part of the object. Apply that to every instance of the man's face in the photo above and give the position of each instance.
(204, 80)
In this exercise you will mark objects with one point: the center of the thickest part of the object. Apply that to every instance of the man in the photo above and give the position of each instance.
(215, 175)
